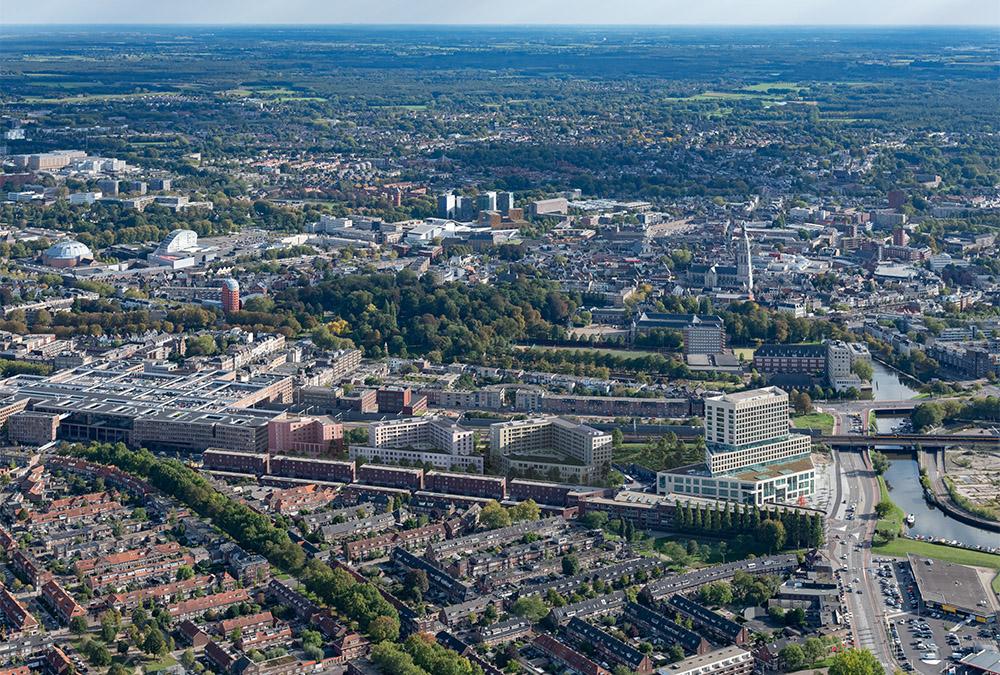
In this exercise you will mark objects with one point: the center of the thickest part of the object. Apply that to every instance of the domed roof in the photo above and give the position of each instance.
(67, 250)
(231, 284)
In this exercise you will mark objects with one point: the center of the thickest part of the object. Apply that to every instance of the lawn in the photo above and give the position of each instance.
(959, 556)
(893, 521)
(821, 421)
(745, 352)
(162, 663)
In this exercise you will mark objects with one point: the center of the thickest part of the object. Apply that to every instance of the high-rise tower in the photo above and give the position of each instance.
(230, 296)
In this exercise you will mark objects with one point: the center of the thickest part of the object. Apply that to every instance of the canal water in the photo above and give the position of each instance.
(903, 478)
(887, 386)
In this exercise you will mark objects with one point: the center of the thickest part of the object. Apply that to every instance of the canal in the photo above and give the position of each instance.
(887, 385)
(903, 479)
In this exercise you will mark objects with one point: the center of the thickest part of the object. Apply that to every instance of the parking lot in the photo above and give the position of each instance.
(924, 641)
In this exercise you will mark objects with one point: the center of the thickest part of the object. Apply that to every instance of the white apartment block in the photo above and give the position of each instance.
(750, 454)
(404, 456)
(746, 417)
(428, 433)
(577, 441)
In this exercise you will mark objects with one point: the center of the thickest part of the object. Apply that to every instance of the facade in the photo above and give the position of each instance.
(551, 445)
(809, 359)
(435, 441)
(703, 334)
(230, 296)
(33, 428)
(750, 455)
(308, 435)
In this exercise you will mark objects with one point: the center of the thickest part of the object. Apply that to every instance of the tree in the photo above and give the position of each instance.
(792, 657)
(154, 643)
(855, 662)
(595, 520)
(570, 564)
(383, 628)
(184, 572)
(526, 510)
(119, 669)
(532, 608)
(78, 625)
(187, 659)
(493, 516)
(416, 584)
(772, 535)
(716, 593)
(795, 616)
(880, 463)
(927, 415)
(676, 653)
(814, 649)
(863, 369)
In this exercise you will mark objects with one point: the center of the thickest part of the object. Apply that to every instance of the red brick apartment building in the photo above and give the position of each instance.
(62, 603)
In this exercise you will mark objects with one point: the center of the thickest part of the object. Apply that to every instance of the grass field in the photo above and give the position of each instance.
(821, 421)
(745, 352)
(97, 98)
(893, 521)
(959, 556)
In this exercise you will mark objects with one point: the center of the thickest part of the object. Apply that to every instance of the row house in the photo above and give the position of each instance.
(88, 513)
(16, 614)
(248, 622)
(187, 609)
(655, 623)
(567, 657)
(62, 603)
(28, 569)
(165, 593)
(345, 642)
(303, 607)
(723, 629)
(374, 547)
(610, 647)
(265, 637)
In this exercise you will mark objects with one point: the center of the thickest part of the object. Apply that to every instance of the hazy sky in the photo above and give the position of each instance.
(733, 12)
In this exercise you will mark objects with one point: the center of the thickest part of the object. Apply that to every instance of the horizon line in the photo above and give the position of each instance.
(491, 25)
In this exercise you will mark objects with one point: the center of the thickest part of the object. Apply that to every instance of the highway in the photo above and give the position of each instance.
(849, 548)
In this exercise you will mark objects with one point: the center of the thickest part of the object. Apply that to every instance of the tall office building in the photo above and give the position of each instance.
(464, 208)
(486, 201)
(750, 454)
(505, 202)
(446, 205)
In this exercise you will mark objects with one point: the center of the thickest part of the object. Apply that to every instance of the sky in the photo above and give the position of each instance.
(606, 12)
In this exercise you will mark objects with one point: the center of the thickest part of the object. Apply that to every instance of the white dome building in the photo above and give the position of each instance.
(69, 253)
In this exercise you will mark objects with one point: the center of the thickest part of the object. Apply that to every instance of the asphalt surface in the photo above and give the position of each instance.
(849, 547)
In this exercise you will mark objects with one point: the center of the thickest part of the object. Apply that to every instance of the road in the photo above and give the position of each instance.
(849, 548)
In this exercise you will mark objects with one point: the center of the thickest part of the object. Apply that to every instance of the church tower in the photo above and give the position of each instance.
(744, 266)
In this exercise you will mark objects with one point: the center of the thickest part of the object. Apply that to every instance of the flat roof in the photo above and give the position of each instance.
(946, 583)
(710, 661)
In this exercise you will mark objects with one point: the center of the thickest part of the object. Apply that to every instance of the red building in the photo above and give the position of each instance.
(230, 296)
